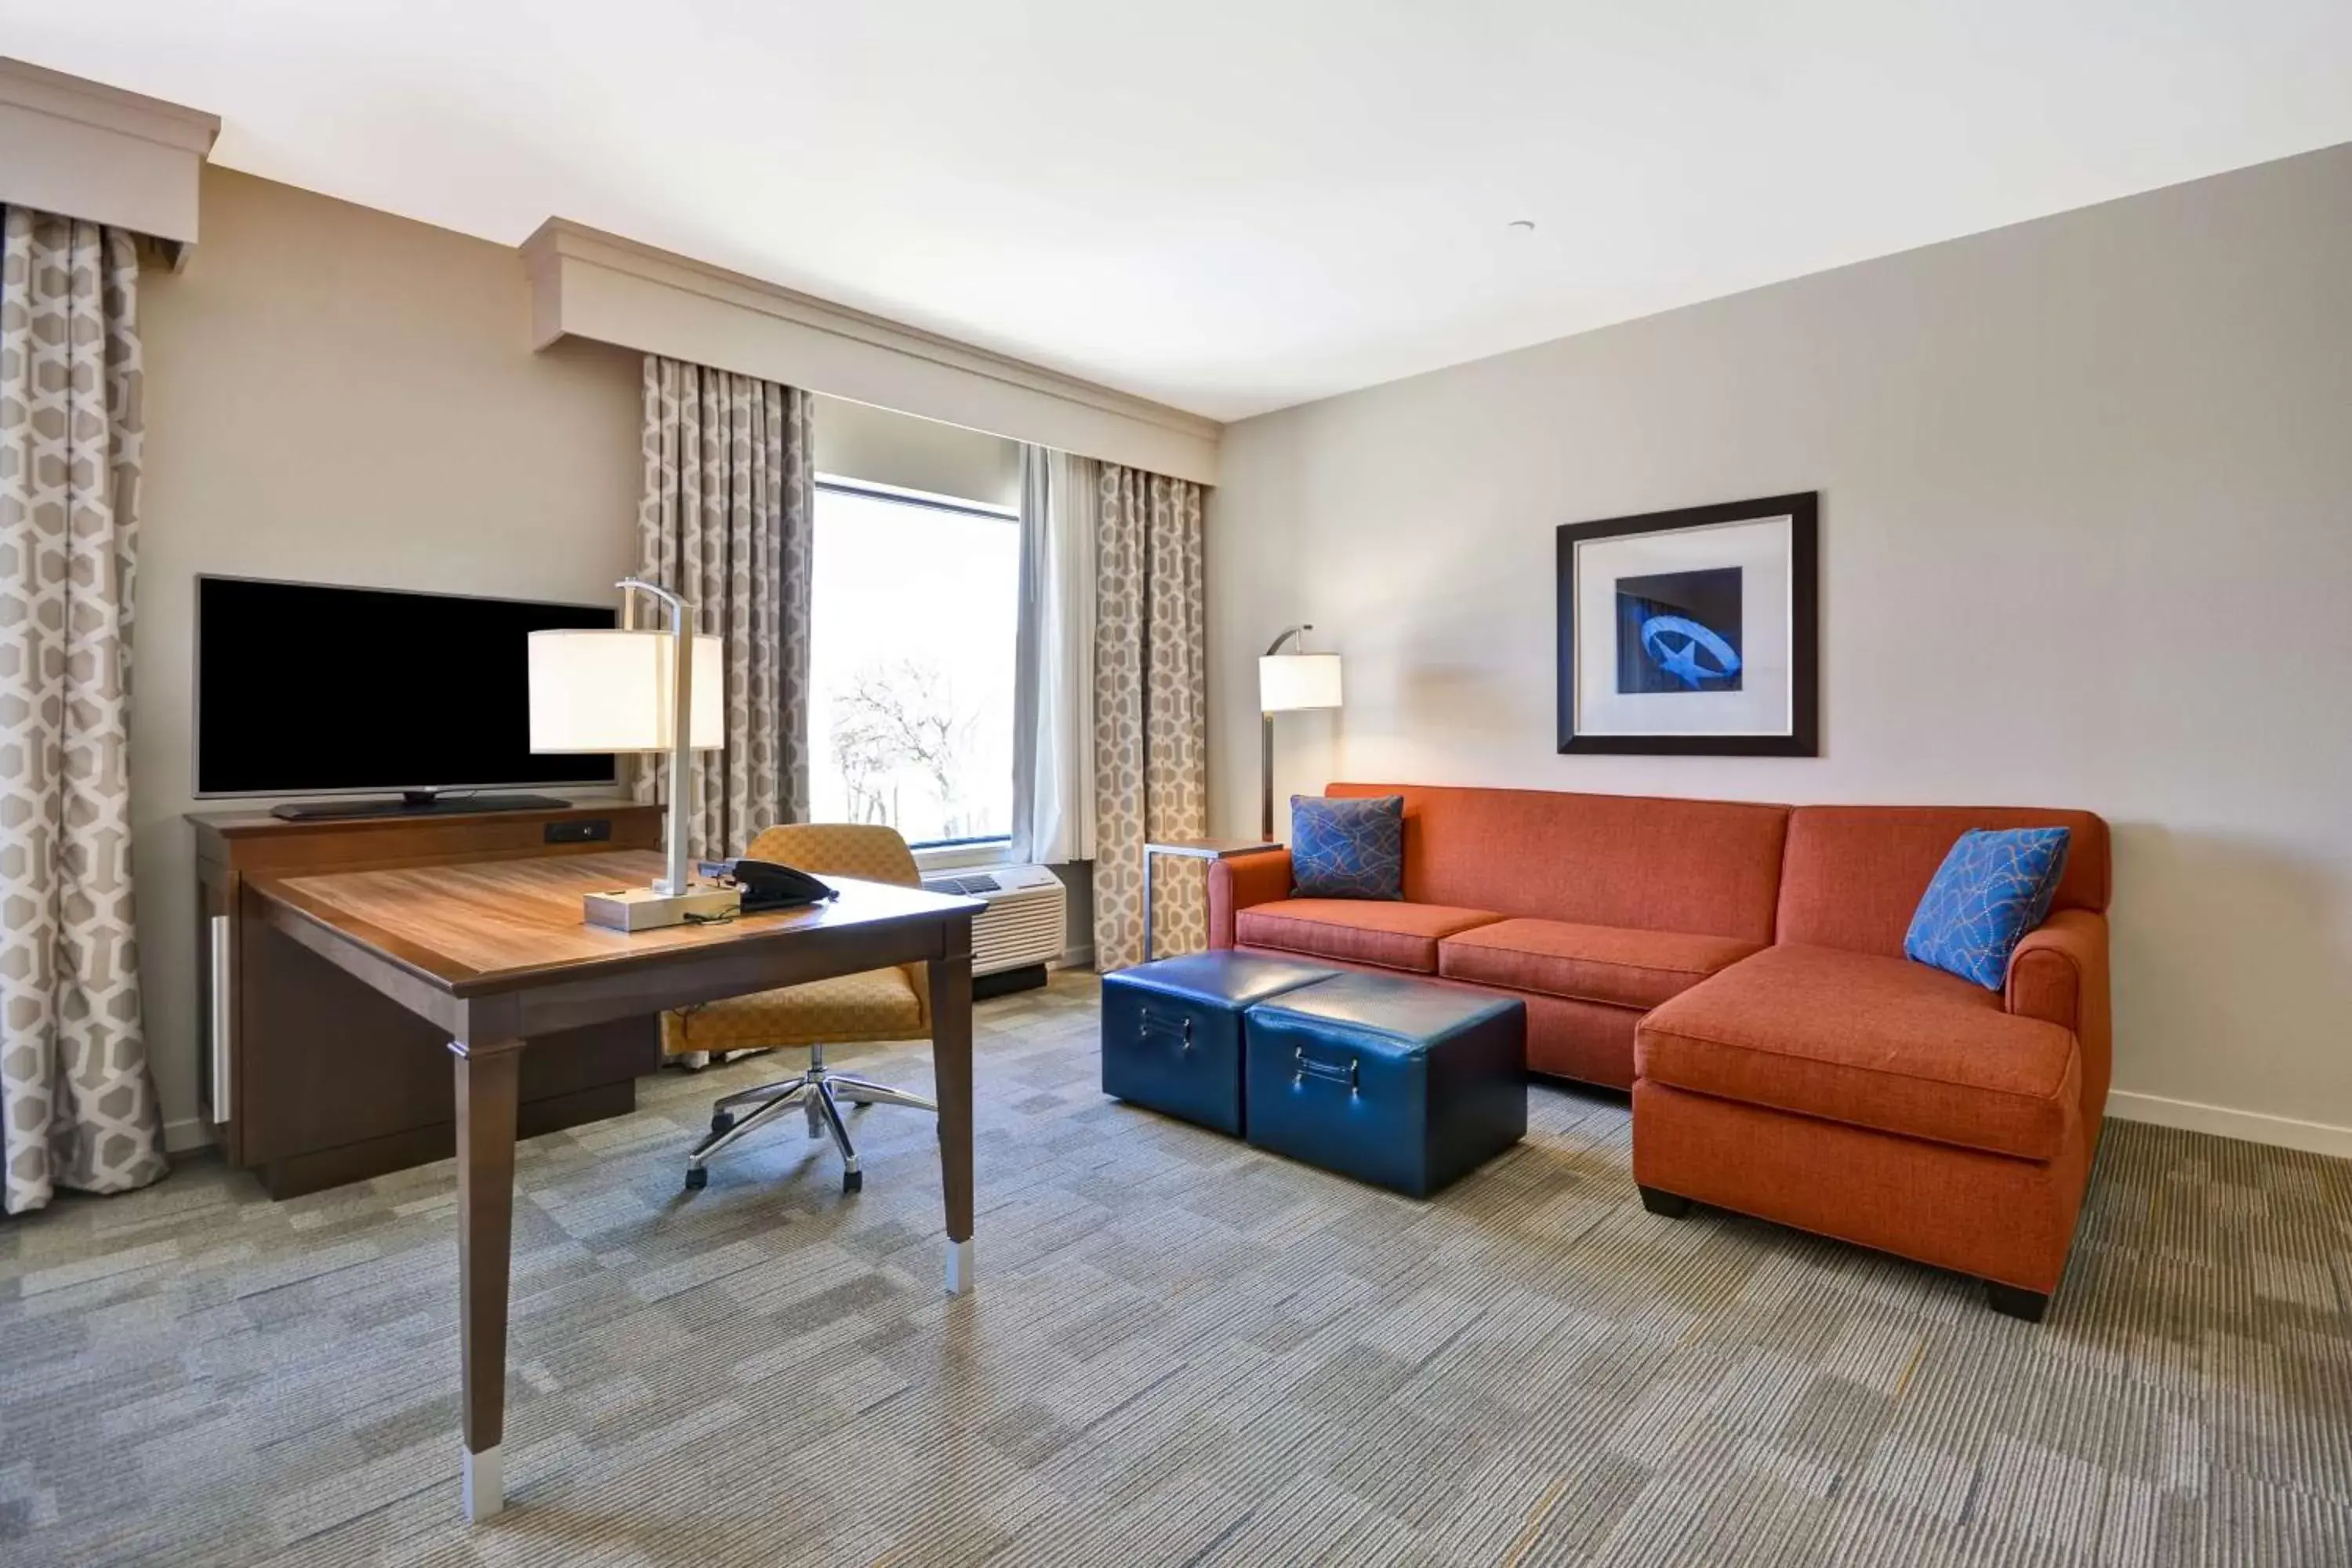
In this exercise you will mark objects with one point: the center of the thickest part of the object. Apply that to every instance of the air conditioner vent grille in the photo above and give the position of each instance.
(1025, 921)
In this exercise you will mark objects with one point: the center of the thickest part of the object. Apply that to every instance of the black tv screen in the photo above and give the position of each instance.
(303, 688)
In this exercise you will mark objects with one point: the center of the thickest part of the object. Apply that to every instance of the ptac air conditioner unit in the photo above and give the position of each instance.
(1021, 930)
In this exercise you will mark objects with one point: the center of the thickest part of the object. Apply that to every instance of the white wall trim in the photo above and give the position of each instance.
(95, 152)
(587, 283)
(2253, 1127)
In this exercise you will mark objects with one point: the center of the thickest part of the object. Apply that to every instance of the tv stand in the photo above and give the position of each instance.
(316, 1079)
(413, 803)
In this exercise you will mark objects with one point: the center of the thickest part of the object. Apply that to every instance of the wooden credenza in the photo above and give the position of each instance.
(315, 1078)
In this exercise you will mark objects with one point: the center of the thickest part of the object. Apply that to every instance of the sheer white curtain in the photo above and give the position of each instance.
(1054, 713)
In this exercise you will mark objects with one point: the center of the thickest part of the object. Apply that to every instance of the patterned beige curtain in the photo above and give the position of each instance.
(727, 521)
(77, 1103)
(1152, 770)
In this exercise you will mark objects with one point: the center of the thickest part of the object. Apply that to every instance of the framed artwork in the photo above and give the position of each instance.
(1692, 632)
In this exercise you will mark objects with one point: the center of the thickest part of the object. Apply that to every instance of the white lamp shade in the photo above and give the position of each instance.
(610, 691)
(1289, 681)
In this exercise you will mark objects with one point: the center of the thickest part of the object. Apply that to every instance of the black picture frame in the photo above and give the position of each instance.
(1804, 739)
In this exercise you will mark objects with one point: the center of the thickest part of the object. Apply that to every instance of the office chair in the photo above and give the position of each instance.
(879, 1004)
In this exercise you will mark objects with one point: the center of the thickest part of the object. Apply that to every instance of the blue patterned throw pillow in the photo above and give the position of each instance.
(1992, 889)
(1347, 849)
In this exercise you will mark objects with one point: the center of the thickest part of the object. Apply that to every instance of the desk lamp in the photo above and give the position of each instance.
(637, 690)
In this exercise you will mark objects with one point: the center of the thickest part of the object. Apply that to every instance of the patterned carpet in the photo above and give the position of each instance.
(1181, 1351)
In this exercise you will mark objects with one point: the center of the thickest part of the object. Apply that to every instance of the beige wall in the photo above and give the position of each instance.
(335, 395)
(2086, 514)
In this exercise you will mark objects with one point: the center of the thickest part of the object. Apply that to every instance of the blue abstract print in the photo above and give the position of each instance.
(1347, 849)
(1679, 632)
(1992, 889)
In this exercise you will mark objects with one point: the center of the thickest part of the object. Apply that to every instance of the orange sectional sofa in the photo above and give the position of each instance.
(1739, 968)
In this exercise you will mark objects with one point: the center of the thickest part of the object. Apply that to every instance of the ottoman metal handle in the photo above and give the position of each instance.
(1305, 1067)
(1181, 1027)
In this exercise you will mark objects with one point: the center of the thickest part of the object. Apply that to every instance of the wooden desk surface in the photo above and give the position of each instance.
(495, 953)
(487, 926)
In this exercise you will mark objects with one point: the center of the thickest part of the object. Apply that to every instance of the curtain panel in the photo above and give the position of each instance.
(1151, 775)
(727, 521)
(1053, 702)
(78, 1105)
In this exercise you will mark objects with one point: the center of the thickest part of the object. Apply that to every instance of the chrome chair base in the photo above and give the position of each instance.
(817, 1094)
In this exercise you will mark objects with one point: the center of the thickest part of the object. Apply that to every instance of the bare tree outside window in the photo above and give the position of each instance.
(903, 718)
(913, 618)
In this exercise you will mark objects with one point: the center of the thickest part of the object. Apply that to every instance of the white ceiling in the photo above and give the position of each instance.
(1230, 205)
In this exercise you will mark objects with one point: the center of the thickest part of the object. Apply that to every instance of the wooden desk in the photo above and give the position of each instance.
(495, 955)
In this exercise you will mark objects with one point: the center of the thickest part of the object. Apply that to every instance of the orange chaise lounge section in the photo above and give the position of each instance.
(1740, 967)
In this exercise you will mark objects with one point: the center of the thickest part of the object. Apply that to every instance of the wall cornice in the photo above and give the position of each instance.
(588, 283)
(97, 153)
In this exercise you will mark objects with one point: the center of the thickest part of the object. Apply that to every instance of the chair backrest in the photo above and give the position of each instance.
(840, 850)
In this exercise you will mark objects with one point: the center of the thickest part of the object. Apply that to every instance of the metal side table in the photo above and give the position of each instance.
(1191, 849)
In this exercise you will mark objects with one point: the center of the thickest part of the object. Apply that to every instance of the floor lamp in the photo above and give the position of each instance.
(1289, 683)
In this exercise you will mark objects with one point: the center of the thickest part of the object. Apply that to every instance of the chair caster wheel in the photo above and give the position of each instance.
(853, 1180)
(696, 1179)
(721, 1121)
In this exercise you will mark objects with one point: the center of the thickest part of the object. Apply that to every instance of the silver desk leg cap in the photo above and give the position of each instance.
(958, 1268)
(484, 1484)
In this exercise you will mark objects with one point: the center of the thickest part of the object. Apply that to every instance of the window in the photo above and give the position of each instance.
(917, 605)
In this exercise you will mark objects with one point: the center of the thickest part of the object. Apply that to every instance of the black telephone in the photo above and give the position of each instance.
(765, 885)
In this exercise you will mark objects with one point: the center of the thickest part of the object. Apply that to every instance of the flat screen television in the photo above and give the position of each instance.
(308, 688)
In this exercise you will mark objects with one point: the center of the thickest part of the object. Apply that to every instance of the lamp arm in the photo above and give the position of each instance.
(674, 880)
(1287, 633)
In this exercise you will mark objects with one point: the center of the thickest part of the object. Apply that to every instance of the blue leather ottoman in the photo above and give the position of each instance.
(1393, 1081)
(1171, 1031)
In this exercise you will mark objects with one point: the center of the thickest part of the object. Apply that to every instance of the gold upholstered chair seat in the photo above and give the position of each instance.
(879, 1004)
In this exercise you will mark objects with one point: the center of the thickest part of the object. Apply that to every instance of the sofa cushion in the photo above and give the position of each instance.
(1347, 849)
(1994, 887)
(1361, 931)
(1592, 964)
(1873, 1042)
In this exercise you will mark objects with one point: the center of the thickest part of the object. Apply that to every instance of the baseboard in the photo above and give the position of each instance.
(2281, 1131)
(188, 1133)
(1075, 957)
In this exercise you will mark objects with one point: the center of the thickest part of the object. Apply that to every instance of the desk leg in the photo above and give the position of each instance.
(486, 1162)
(950, 979)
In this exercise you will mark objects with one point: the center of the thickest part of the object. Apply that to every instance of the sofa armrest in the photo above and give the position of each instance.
(1236, 883)
(2059, 975)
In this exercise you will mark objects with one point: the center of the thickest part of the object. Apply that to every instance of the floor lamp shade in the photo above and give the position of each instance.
(610, 691)
(1289, 682)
